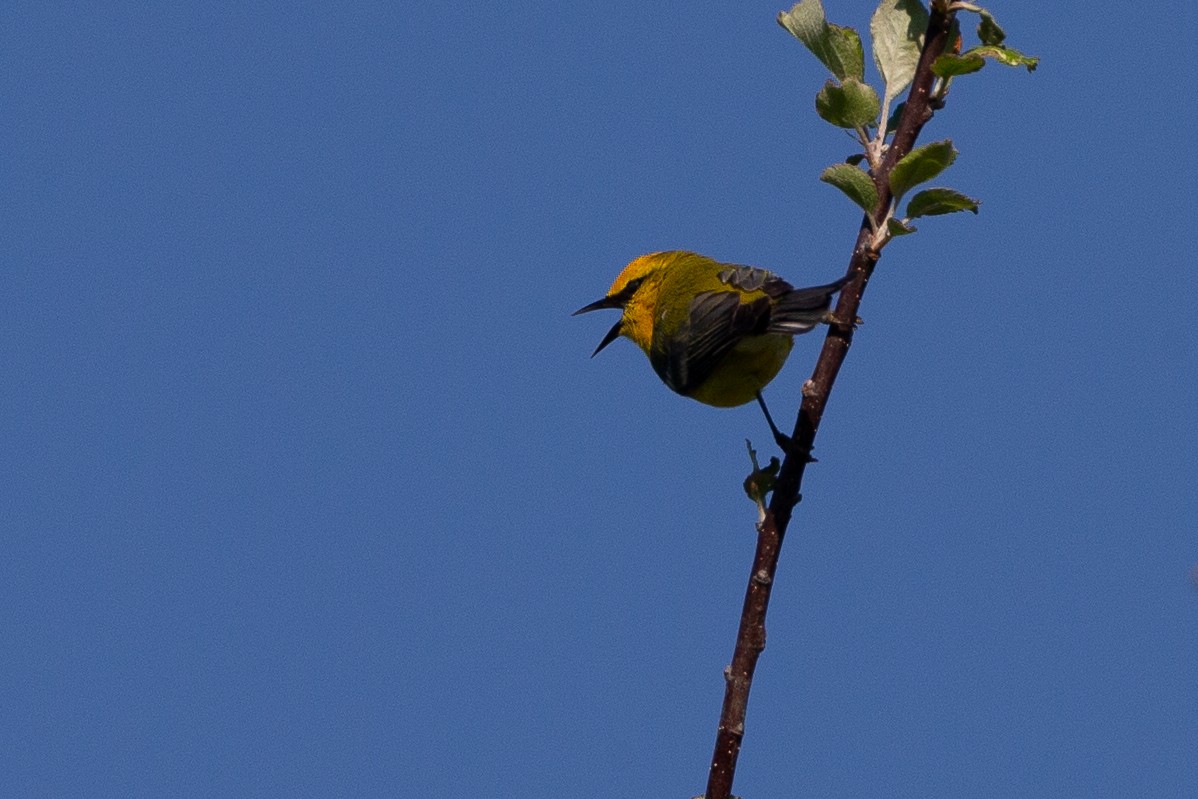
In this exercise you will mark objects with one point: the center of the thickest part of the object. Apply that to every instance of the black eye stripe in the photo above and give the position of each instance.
(630, 289)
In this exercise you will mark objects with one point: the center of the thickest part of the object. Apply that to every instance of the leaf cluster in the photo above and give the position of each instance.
(848, 101)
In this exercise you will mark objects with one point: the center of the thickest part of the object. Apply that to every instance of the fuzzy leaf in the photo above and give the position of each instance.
(898, 228)
(933, 202)
(851, 105)
(949, 65)
(988, 30)
(992, 37)
(921, 165)
(854, 183)
(897, 28)
(839, 48)
(1005, 55)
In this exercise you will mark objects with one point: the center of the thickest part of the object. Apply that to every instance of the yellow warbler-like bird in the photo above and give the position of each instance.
(715, 332)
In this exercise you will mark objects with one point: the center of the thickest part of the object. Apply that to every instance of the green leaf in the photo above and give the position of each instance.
(850, 105)
(1005, 55)
(839, 48)
(949, 65)
(933, 202)
(895, 116)
(855, 159)
(760, 482)
(992, 37)
(921, 165)
(988, 30)
(897, 28)
(897, 228)
(853, 182)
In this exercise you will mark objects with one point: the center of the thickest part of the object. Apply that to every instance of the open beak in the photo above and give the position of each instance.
(611, 336)
(598, 305)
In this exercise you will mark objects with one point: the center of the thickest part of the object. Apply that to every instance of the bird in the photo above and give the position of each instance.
(715, 332)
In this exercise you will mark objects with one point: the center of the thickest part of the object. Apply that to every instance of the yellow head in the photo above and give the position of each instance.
(635, 291)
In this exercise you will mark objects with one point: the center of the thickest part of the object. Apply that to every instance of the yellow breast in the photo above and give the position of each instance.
(747, 369)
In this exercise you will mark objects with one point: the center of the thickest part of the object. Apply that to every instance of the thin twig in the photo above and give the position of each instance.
(750, 638)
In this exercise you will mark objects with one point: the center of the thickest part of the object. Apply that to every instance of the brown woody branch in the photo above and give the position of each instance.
(750, 638)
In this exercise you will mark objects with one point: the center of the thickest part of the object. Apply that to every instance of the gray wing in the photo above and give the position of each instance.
(717, 321)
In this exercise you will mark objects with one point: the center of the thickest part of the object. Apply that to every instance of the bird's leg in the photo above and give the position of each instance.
(783, 441)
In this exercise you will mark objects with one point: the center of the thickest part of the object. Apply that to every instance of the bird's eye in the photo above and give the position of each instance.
(630, 288)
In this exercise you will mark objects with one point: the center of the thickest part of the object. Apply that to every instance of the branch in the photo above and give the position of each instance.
(750, 638)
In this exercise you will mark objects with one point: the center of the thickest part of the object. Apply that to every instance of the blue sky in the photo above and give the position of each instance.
(311, 488)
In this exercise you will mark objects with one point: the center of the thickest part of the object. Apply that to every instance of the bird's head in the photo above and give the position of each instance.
(634, 292)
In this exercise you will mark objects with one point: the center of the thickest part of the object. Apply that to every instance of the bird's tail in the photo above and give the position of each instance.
(799, 310)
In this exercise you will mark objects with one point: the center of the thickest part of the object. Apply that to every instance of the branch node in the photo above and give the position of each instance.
(762, 577)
